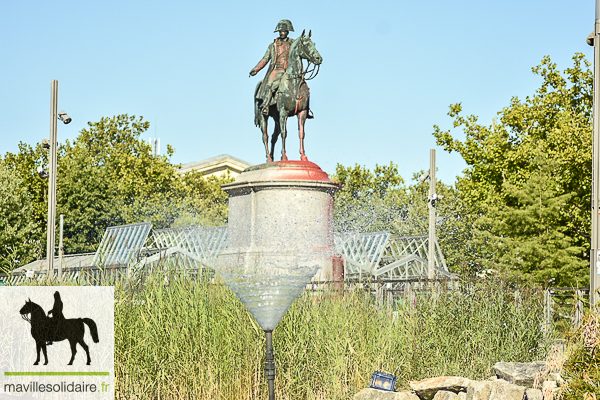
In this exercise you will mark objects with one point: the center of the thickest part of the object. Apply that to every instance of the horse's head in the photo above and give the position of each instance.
(308, 51)
(27, 308)
(30, 308)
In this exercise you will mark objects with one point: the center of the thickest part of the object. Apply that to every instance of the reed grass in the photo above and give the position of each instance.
(183, 338)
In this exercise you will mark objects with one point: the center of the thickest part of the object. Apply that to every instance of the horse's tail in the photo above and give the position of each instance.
(93, 329)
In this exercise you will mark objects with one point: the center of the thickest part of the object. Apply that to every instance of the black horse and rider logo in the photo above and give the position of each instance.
(45, 330)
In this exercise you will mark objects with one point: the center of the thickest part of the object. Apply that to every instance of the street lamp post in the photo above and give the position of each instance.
(53, 145)
(52, 177)
(432, 199)
(594, 40)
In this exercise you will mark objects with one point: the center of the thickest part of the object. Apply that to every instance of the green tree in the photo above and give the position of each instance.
(554, 122)
(19, 233)
(108, 176)
(25, 164)
(104, 176)
(381, 201)
(529, 240)
(368, 201)
(453, 223)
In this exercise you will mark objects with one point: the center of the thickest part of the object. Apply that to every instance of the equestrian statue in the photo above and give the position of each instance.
(283, 92)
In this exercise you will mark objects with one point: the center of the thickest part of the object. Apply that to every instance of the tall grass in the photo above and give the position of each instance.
(192, 339)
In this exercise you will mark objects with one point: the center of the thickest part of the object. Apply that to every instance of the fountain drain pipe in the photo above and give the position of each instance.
(270, 365)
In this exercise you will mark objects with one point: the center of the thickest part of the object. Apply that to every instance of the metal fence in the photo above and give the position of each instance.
(565, 305)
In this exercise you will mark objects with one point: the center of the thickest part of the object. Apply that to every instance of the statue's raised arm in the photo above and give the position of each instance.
(283, 92)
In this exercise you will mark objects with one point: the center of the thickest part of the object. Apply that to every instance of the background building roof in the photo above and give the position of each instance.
(216, 166)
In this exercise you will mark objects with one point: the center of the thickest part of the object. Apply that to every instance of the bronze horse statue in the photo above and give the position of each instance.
(292, 97)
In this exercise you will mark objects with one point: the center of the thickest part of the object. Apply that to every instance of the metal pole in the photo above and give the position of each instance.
(61, 251)
(270, 365)
(52, 178)
(432, 198)
(595, 242)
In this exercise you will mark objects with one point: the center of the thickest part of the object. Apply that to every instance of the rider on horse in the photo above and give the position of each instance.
(278, 53)
(57, 314)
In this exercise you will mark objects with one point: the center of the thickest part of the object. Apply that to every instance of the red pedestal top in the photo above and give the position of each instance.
(284, 170)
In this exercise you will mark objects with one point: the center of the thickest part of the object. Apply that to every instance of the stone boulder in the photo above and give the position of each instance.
(445, 395)
(519, 373)
(479, 390)
(427, 388)
(506, 391)
(376, 394)
(534, 394)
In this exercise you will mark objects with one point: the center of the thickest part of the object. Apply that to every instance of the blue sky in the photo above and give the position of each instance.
(390, 71)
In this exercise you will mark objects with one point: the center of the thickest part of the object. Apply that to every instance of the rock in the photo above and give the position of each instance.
(519, 373)
(506, 391)
(534, 394)
(427, 388)
(461, 396)
(445, 395)
(376, 394)
(479, 390)
(555, 376)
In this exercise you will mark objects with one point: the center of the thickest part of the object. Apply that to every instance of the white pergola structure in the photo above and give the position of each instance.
(384, 257)
(377, 256)
(195, 246)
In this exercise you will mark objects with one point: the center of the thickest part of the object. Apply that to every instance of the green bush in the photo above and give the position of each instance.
(582, 368)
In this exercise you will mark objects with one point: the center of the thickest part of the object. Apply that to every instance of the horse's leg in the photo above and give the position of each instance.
(275, 136)
(73, 344)
(283, 127)
(38, 347)
(302, 115)
(265, 135)
(87, 351)
(45, 352)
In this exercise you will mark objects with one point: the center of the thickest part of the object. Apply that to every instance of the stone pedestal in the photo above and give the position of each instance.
(280, 235)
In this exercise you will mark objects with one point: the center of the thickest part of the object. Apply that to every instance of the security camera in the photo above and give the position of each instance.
(424, 177)
(42, 172)
(437, 197)
(45, 144)
(64, 117)
(590, 39)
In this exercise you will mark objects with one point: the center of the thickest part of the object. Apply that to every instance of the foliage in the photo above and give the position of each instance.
(103, 174)
(528, 235)
(190, 339)
(108, 176)
(453, 223)
(208, 204)
(379, 200)
(582, 368)
(25, 164)
(368, 201)
(183, 338)
(19, 233)
(555, 123)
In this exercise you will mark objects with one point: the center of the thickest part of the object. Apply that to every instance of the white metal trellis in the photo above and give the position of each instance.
(121, 245)
(383, 256)
(193, 245)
